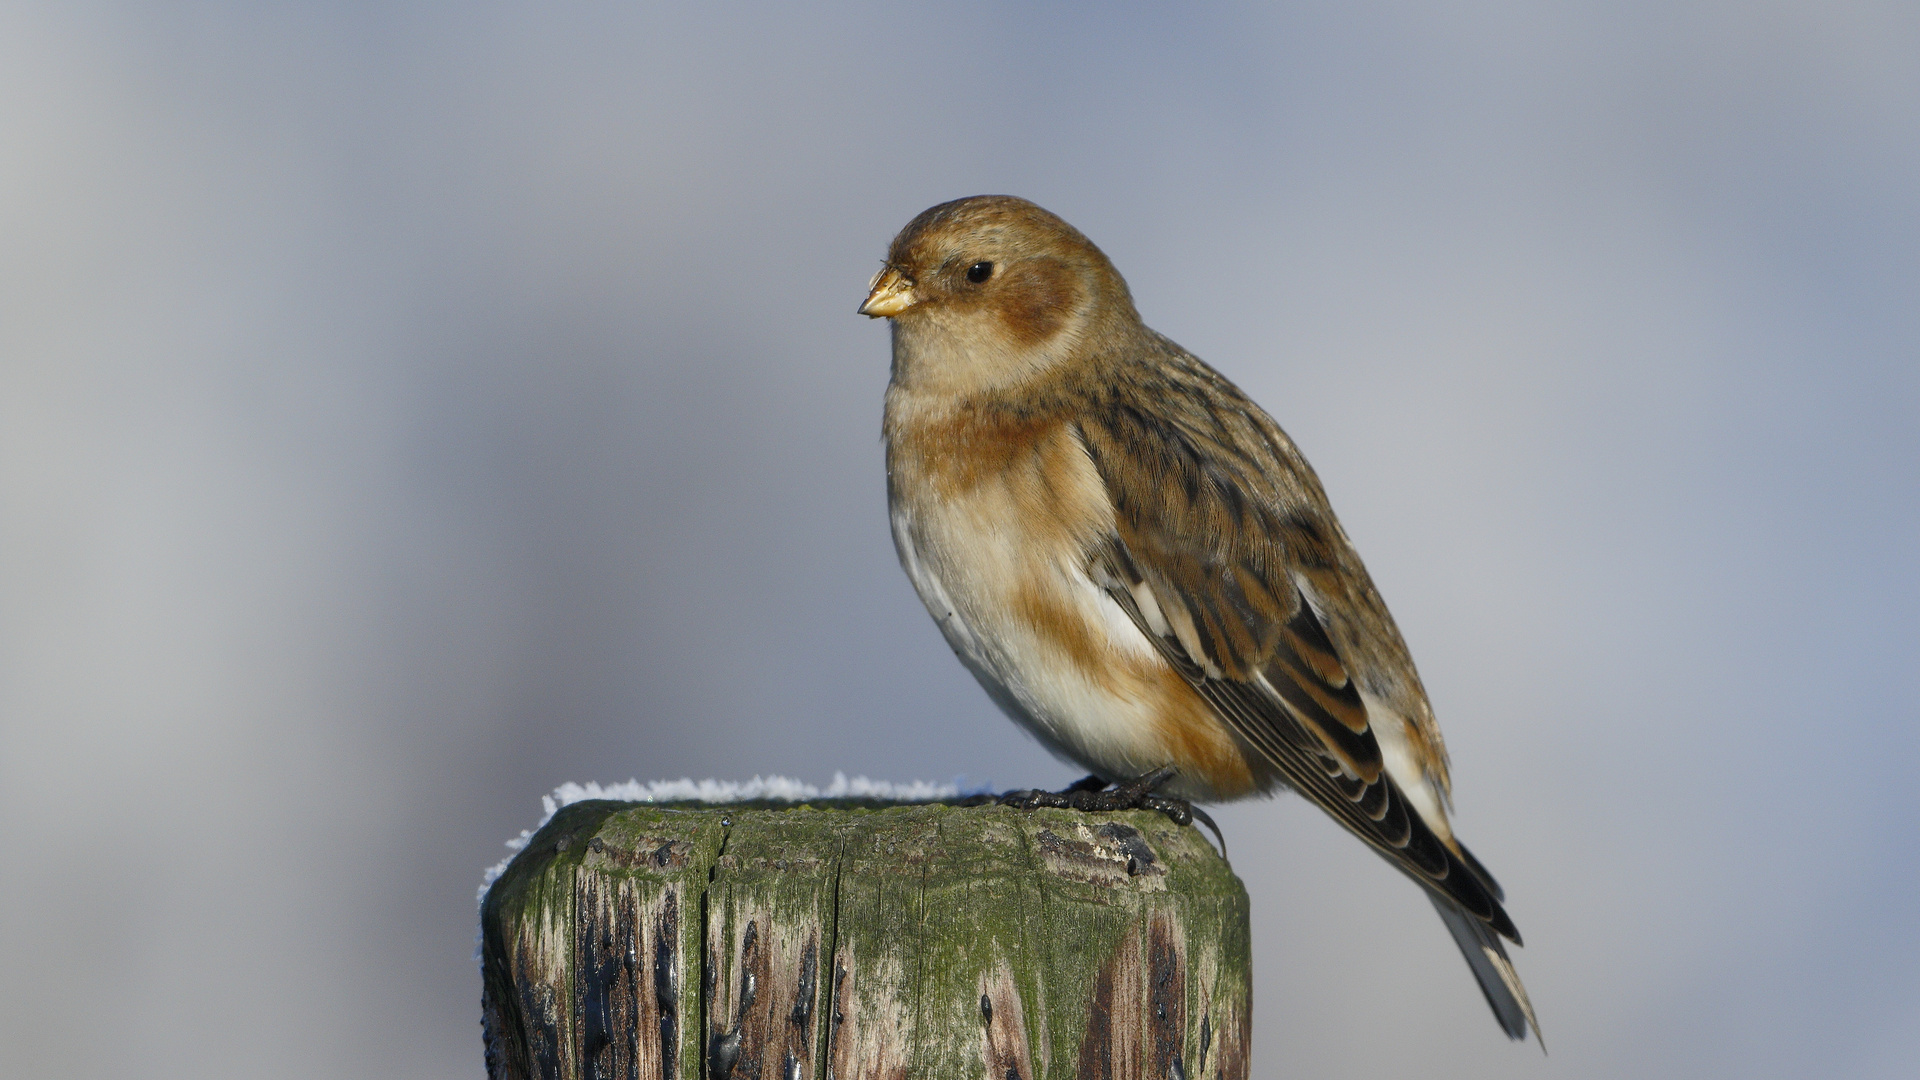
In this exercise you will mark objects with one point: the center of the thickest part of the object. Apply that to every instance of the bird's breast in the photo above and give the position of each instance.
(996, 518)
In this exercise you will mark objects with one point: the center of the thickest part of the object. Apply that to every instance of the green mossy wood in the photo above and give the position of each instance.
(853, 941)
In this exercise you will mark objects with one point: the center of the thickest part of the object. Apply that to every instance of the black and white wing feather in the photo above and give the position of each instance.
(1247, 585)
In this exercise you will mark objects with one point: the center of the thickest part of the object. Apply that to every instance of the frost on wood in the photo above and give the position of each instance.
(769, 789)
(849, 941)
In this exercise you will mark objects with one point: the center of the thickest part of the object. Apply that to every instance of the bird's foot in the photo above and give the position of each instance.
(1092, 795)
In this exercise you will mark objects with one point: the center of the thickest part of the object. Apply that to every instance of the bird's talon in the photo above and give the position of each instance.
(1179, 811)
(1087, 796)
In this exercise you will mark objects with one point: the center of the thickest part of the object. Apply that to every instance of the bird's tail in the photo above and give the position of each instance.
(1488, 959)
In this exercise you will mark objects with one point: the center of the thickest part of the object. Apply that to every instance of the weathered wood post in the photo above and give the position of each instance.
(847, 941)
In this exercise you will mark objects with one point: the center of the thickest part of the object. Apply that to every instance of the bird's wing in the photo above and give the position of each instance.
(1225, 554)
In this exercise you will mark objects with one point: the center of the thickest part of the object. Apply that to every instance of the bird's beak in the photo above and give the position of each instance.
(889, 294)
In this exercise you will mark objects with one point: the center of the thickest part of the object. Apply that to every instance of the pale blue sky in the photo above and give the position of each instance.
(404, 410)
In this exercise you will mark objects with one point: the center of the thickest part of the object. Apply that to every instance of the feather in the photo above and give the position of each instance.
(1262, 605)
(1492, 970)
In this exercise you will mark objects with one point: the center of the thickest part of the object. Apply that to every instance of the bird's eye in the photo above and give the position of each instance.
(979, 272)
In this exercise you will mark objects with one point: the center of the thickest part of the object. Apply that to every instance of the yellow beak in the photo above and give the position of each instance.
(889, 294)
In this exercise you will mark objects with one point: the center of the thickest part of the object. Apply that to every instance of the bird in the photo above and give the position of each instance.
(1140, 567)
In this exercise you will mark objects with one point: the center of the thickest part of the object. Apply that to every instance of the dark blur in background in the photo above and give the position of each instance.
(405, 409)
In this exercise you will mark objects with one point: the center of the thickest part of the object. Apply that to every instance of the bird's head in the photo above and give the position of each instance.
(990, 288)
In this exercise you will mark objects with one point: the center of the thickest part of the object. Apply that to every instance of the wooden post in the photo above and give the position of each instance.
(864, 941)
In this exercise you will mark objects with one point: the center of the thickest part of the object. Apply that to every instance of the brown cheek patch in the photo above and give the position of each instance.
(1036, 299)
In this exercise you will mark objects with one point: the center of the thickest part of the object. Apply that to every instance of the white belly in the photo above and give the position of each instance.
(976, 579)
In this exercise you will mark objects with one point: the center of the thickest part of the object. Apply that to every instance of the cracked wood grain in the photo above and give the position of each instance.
(843, 941)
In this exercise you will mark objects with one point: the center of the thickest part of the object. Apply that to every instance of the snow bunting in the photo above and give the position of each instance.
(1138, 564)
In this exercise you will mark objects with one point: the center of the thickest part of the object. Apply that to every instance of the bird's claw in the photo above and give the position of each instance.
(1092, 796)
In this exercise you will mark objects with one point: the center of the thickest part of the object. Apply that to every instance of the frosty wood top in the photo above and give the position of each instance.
(851, 941)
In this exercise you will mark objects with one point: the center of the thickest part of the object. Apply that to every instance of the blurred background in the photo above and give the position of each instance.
(407, 408)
